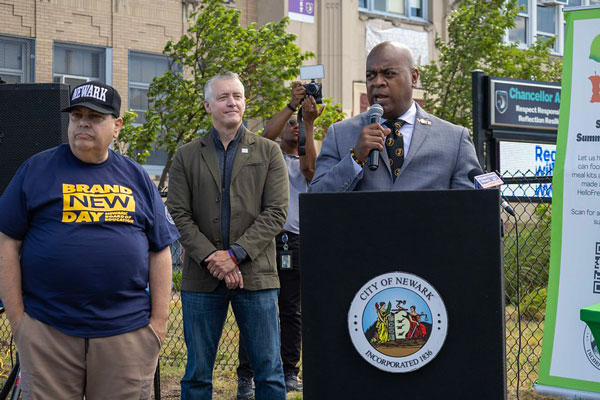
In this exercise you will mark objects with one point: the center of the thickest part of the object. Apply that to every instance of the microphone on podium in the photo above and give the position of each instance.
(487, 181)
(375, 113)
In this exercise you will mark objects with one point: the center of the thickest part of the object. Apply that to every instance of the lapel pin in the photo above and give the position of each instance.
(424, 121)
(245, 150)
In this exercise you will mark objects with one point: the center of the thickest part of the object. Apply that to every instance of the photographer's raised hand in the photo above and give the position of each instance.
(275, 125)
(310, 112)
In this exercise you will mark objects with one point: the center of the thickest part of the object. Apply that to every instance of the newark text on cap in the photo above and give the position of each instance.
(99, 93)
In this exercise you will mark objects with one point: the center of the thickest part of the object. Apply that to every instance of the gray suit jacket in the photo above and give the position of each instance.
(440, 156)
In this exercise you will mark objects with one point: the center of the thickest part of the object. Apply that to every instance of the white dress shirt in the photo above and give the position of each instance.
(407, 130)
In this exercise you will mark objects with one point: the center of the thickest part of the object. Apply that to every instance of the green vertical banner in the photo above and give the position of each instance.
(570, 364)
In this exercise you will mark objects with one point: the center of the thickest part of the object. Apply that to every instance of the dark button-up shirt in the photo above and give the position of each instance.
(226, 158)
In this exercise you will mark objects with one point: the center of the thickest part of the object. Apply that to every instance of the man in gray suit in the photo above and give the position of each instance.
(416, 150)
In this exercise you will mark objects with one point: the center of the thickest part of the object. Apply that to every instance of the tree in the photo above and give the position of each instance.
(332, 113)
(476, 31)
(265, 57)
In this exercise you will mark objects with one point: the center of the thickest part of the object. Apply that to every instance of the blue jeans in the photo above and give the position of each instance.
(256, 315)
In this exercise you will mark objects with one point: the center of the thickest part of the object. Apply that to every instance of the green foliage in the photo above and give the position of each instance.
(534, 257)
(177, 275)
(130, 139)
(533, 304)
(476, 31)
(265, 57)
(332, 113)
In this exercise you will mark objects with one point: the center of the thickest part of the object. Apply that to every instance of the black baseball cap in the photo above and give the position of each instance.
(96, 96)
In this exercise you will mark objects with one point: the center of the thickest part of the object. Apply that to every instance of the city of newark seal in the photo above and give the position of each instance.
(398, 322)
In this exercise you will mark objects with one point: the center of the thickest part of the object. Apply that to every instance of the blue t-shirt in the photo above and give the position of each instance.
(86, 231)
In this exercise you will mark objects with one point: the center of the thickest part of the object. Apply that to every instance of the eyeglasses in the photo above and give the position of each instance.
(292, 122)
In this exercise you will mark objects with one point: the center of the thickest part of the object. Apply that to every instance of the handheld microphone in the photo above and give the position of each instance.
(489, 180)
(375, 113)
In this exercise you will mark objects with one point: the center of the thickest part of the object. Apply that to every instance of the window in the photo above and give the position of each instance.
(142, 69)
(547, 22)
(413, 9)
(542, 20)
(74, 64)
(16, 60)
(519, 32)
(416, 8)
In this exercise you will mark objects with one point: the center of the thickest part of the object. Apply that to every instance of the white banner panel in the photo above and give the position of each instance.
(570, 358)
(416, 41)
(581, 214)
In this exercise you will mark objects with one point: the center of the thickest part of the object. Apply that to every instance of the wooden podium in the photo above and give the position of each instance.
(451, 239)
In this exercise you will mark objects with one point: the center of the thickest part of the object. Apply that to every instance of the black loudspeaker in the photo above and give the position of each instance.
(30, 122)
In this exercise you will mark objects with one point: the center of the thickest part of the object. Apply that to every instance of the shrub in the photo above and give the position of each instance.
(533, 304)
(534, 253)
(177, 279)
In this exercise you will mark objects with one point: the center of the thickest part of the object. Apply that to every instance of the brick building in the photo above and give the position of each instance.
(120, 41)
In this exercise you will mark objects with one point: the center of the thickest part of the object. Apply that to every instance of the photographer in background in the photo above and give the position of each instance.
(300, 172)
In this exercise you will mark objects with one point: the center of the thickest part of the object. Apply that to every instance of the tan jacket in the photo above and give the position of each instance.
(259, 200)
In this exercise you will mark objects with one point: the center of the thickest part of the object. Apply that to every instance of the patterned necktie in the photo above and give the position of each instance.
(394, 143)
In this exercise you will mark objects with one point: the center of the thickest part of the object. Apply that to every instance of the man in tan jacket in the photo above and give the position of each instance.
(228, 195)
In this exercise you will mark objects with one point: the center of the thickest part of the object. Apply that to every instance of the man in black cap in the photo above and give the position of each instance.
(83, 232)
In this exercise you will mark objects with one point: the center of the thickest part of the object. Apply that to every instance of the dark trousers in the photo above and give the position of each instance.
(290, 317)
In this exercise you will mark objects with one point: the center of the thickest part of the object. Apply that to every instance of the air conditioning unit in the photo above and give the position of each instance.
(71, 80)
(553, 2)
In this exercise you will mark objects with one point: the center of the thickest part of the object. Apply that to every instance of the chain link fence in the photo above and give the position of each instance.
(526, 279)
(526, 265)
(174, 352)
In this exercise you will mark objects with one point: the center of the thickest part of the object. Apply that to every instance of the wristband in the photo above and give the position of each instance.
(361, 163)
(233, 258)
(289, 105)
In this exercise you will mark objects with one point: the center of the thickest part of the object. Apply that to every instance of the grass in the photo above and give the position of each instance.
(224, 384)
(531, 349)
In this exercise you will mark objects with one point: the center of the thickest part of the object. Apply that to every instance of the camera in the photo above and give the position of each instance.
(313, 88)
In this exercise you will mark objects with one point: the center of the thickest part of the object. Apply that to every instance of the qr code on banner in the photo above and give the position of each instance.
(597, 269)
